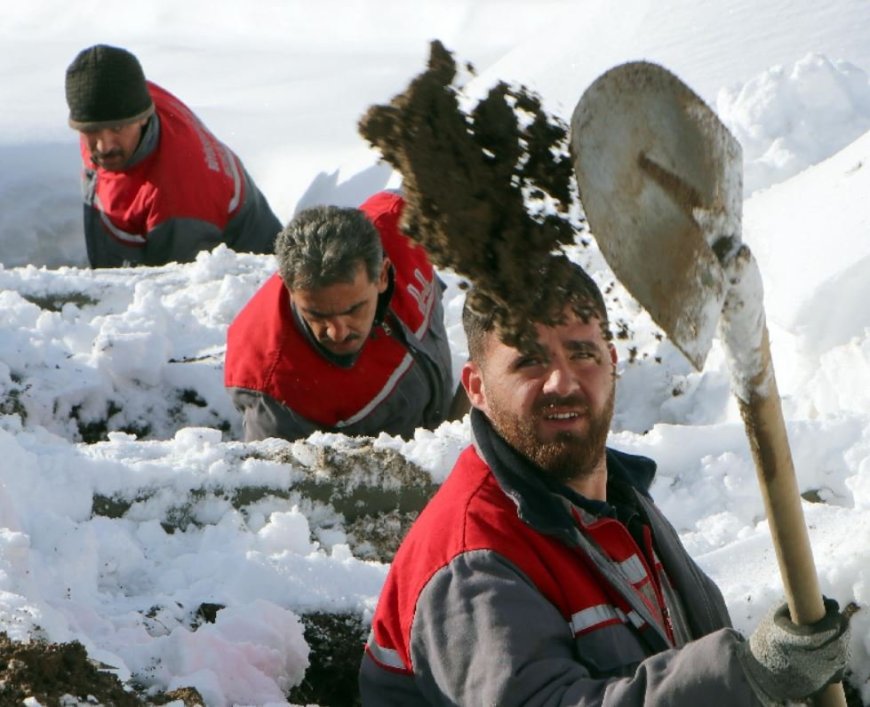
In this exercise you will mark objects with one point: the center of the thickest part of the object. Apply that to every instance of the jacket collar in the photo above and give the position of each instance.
(148, 144)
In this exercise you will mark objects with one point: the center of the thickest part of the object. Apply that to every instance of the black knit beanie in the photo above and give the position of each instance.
(105, 86)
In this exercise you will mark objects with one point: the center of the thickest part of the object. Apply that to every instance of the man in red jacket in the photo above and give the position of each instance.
(348, 336)
(158, 186)
(542, 573)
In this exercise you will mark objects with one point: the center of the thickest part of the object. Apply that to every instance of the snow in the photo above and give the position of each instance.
(743, 330)
(810, 111)
(140, 351)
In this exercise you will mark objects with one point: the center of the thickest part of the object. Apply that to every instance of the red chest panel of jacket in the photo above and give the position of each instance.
(471, 512)
(266, 351)
(190, 174)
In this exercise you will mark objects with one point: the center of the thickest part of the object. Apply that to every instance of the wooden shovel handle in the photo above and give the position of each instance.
(765, 427)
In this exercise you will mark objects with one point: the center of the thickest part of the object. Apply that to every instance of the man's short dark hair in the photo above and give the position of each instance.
(325, 245)
(481, 315)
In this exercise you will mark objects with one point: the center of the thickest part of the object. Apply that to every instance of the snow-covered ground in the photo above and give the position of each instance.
(116, 544)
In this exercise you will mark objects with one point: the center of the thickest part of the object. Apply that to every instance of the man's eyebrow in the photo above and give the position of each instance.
(582, 345)
(349, 310)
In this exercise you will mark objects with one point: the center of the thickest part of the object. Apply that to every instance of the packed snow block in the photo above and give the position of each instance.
(377, 537)
(377, 492)
(352, 492)
(360, 480)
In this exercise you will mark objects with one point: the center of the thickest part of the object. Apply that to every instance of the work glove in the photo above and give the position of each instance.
(784, 661)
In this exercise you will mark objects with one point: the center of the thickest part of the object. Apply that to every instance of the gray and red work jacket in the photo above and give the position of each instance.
(512, 590)
(286, 386)
(182, 191)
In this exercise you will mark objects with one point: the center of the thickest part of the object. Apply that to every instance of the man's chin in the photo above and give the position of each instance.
(564, 454)
(111, 165)
(342, 349)
(561, 457)
(562, 434)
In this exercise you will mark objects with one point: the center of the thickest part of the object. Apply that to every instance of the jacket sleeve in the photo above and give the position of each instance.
(179, 240)
(482, 634)
(264, 417)
(432, 354)
(437, 344)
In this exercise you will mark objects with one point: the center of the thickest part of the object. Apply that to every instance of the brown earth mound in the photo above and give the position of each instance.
(52, 673)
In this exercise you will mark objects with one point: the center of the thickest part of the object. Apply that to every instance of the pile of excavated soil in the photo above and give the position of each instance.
(488, 192)
(53, 673)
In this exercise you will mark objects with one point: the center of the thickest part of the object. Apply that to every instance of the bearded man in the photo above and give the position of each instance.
(542, 573)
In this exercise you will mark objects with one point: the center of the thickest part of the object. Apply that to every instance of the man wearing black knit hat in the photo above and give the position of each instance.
(158, 186)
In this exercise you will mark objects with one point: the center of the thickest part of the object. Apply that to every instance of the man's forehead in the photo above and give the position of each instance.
(574, 327)
(355, 272)
(333, 299)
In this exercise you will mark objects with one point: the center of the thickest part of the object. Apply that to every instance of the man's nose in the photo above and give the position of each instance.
(337, 329)
(102, 141)
(561, 379)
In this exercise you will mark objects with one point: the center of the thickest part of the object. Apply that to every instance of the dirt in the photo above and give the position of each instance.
(61, 674)
(488, 191)
(336, 642)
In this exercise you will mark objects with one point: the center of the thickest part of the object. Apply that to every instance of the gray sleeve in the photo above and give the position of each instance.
(254, 228)
(437, 341)
(432, 354)
(179, 240)
(264, 417)
(484, 635)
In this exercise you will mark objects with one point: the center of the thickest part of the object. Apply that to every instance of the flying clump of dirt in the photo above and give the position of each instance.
(488, 192)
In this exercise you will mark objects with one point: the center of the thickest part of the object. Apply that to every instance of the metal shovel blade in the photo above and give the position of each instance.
(660, 182)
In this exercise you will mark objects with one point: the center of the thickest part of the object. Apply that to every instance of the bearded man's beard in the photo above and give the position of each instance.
(569, 456)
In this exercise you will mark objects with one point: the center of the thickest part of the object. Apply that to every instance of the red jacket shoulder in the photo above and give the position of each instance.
(462, 515)
(255, 337)
(193, 174)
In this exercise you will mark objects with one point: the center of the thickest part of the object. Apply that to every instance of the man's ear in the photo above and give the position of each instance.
(472, 381)
(384, 279)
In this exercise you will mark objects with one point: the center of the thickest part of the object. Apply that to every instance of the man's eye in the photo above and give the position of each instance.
(586, 353)
(529, 361)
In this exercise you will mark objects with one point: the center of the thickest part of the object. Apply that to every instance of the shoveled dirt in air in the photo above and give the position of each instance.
(488, 192)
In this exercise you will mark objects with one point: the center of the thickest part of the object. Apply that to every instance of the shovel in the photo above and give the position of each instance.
(660, 179)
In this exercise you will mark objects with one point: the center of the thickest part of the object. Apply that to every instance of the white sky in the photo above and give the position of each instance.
(284, 83)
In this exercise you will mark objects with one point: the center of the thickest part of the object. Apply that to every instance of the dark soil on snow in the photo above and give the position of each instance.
(54, 672)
